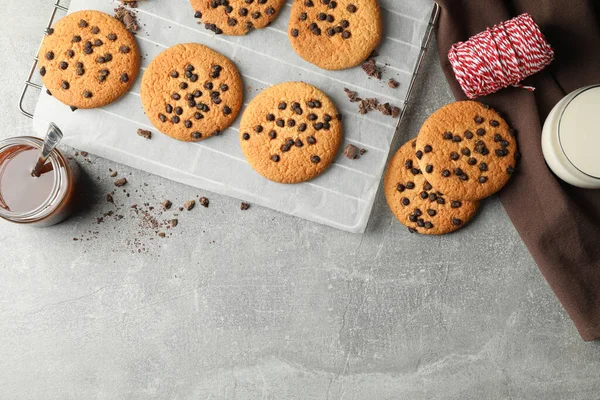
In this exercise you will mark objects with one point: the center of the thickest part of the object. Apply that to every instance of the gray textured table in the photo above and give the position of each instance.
(255, 304)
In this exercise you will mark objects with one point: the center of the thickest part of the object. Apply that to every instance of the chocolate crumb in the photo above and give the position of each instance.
(244, 206)
(371, 69)
(373, 54)
(362, 152)
(167, 204)
(394, 84)
(128, 18)
(352, 96)
(351, 152)
(396, 112)
(144, 133)
(204, 202)
(367, 105)
(120, 182)
(109, 198)
(188, 205)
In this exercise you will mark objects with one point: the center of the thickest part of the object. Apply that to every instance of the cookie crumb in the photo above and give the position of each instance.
(129, 3)
(351, 152)
(114, 174)
(167, 204)
(371, 69)
(385, 109)
(188, 205)
(396, 112)
(394, 84)
(109, 198)
(144, 133)
(244, 206)
(161, 234)
(120, 182)
(204, 202)
(363, 152)
(84, 153)
(174, 222)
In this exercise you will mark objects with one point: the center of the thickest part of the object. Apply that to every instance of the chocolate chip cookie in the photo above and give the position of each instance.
(236, 17)
(416, 203)
(191, 92)
(466, 150)
(290, 132)
(88, 59)
(335, 34)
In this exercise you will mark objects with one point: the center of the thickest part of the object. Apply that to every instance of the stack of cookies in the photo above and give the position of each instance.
(464, 153)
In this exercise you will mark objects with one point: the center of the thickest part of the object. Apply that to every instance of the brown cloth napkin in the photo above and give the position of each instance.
(560, 224)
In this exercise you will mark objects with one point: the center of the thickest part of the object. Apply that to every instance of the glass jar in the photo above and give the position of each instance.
(571, 138)
(56, 201)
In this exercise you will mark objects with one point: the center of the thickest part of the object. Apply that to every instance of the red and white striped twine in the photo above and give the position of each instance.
(501, 56)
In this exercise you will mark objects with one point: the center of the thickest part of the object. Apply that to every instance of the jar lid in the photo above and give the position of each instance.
(579, 131)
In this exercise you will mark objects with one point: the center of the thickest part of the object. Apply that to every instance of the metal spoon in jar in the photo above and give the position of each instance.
(53, 137)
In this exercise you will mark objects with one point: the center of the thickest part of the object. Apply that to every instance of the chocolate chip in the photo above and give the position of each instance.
(346, 34)
(280, 123)
(472, 161)
(76, 39)
(322, 16)
(428, 225)
(478, 119)
(124, 78)
(351, 8)
(258, 128)
(501, 152)
(454, 156)
(176, 96)
(196, 135)
(291, 123)
(423, 195)
(318, 126)
(456, 221)
(162, 117)
(88, 50)
(169, 108)
(124, 49)
(275, 158)
(273, 135)
(480, 131)
(431, 213)
(312, 117)
(112, 37)
(65, 85)
(469, 134)
(232, 22)
(429, 169)
(415, 171)
(188, 124)
(456, 204)
(302, 127)
(246, 136)
(400, 187)
(410, 185)
(197, 116)
(408, 164)
(463, 177)
(445, 173)
(315, 159)
(311, 140)
(298, 143)
(427, 186)
(70, 53)
(256, 15)
(510, 170)
(344, 23)
(405, 201)
(87, 94)
(95, 30)
(49, 56)
(494, 123)
(224, 87)
(440, 200)
(419, 154)
(420, 222)
(98, 42)
(482, 179)
(282, 106)
(175, 119)
(83, 24)
(481, 148)
(483, 167)
(457, 139)
(427, 149)
(465, 152)
(43, 71)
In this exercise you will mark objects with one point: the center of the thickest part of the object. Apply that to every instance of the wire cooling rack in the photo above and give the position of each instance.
(61, 6)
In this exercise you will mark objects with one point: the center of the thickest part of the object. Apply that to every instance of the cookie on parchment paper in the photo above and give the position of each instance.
(290, 132)
(191, 92)
(88, 59)
(335, 35)
(416, 203)
(236, 17)
(466, 150)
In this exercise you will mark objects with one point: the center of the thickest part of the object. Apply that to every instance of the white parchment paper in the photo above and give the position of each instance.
(342, 197)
